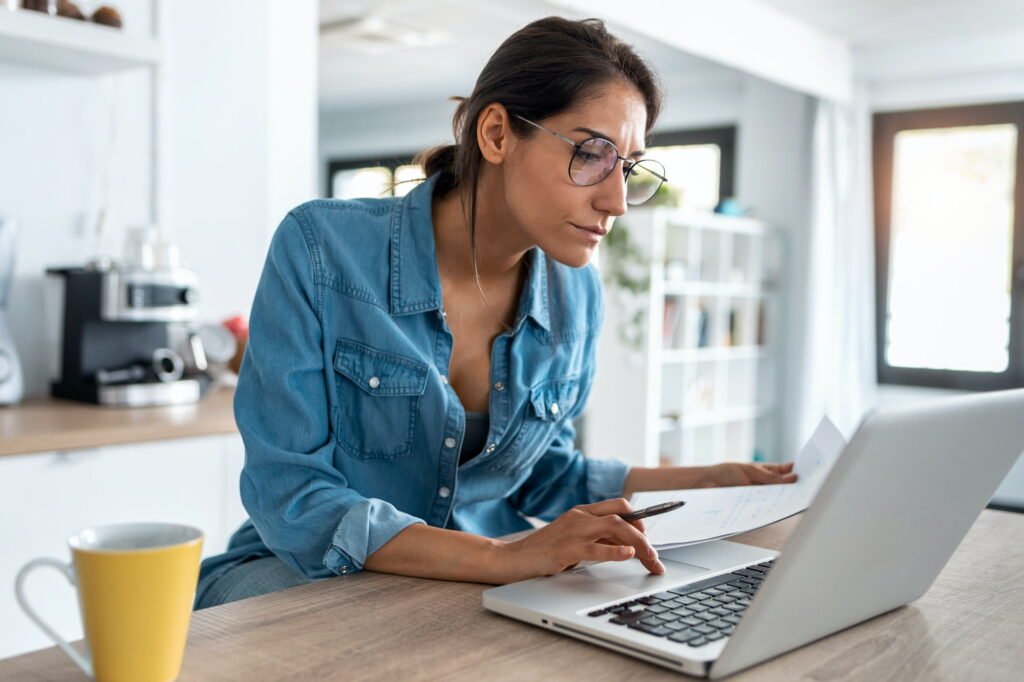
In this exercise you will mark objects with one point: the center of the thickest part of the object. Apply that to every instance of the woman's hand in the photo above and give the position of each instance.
(642, 479)
(587, 532)
(738, 473)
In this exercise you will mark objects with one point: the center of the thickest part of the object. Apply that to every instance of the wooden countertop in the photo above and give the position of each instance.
(48, 424)
(378, 626)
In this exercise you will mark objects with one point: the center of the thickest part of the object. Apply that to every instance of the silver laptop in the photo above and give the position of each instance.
(902, 496)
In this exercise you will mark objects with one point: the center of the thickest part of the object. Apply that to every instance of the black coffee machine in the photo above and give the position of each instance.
(124, 337)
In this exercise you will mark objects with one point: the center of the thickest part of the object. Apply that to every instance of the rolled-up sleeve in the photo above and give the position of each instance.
(299, 502)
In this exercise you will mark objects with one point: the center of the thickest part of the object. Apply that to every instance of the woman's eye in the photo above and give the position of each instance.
(587, 157)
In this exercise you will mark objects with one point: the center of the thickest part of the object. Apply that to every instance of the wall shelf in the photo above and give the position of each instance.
(37, 40)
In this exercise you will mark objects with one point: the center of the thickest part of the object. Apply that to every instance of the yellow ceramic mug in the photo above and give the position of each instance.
(136, 583)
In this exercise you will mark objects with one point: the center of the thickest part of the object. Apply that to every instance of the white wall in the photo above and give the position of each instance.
(238, 141)
(66, 142)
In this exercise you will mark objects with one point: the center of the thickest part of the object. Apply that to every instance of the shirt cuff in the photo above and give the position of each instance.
(364, 529)
(605, 478)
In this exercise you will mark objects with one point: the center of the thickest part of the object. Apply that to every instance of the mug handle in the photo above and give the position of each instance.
(82, 661)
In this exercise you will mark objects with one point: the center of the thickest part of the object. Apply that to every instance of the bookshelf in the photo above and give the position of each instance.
(702, 382)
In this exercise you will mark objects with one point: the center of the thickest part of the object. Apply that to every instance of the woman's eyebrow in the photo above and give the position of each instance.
(595, 133)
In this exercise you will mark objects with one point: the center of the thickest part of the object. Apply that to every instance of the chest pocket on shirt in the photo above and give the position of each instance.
(378, 400)
(549, 402)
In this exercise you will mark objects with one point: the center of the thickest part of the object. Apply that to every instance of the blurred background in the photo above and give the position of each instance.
(840, 231)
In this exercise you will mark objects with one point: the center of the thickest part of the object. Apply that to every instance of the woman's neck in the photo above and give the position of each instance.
(500, 244)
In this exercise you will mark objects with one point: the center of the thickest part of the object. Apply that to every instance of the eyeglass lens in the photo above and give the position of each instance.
(594, 160)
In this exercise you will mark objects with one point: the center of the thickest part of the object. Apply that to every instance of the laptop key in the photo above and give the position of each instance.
(728, 631)
(712, 603)
(725, 599)
(685, 601)
(714, 636)
(700, 641)
(671, 603)
(627, 618)
(656, 608)
(682, 612)
(690, 620)
(648, 600)
(664, 596)
(677, 626)
(706, 616)
(703, 629)
(657, 631)
(599, 612)
(731, 619)
(735, 608)
(719, 624)
(684, 636)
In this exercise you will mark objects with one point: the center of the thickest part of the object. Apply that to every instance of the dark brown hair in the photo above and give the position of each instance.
(541, 70)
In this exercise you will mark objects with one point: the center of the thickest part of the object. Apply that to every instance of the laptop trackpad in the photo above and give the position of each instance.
(633, 574)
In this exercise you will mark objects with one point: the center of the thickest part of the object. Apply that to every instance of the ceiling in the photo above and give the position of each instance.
(873, 22)
(449, 43)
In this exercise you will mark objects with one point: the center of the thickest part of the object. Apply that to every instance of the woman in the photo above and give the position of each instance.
(414, 364)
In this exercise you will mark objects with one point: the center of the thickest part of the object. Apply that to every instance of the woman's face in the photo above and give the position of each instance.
(565, 220)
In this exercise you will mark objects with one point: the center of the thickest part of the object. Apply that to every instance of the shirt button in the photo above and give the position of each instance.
(344, 569)
(499, 386)
(554, 408)
(374, 382)
(444, 380)
(444, 491)
(491, 447)
(449, 442)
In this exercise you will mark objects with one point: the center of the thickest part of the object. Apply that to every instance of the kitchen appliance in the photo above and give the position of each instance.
(12, 384)
(125, 336)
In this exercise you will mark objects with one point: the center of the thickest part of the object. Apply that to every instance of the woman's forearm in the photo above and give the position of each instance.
(426, 552)
(641, 479)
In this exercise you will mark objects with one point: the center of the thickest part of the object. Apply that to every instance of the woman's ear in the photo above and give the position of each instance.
(493, 133)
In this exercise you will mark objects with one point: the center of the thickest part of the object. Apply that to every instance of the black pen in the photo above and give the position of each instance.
(652, 511)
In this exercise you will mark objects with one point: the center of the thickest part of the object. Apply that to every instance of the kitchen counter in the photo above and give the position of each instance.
(49, 424)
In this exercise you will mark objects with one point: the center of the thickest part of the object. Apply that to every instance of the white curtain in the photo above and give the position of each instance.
(836, 373)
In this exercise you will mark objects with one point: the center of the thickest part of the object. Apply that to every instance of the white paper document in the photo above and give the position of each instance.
(715, 513)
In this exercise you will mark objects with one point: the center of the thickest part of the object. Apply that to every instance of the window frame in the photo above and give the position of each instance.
(884, 129)
(391, 162)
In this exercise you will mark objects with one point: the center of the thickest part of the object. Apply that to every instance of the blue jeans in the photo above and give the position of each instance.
(251, 579)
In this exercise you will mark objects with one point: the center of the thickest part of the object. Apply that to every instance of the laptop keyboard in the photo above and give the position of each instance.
(694, 614)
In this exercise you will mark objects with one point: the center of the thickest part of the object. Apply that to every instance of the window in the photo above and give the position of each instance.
(950, 246)
(372, 178)
(698, 163)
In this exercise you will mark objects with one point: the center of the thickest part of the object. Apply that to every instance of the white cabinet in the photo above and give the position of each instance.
(46, 497)
(700, 384)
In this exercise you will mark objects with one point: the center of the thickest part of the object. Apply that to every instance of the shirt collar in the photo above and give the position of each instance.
(415, 281)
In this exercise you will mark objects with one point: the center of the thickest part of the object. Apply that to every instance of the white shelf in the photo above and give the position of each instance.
(678, 355)
(715, 222)
(724, 289)
(60, 44)
(695, 419)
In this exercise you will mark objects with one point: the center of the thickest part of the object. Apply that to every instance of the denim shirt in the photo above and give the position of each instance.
(352, 431)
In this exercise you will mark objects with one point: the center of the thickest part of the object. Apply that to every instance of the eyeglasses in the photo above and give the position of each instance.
(594, 159)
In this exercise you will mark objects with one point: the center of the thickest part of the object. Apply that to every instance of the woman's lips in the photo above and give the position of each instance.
(596, 229)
